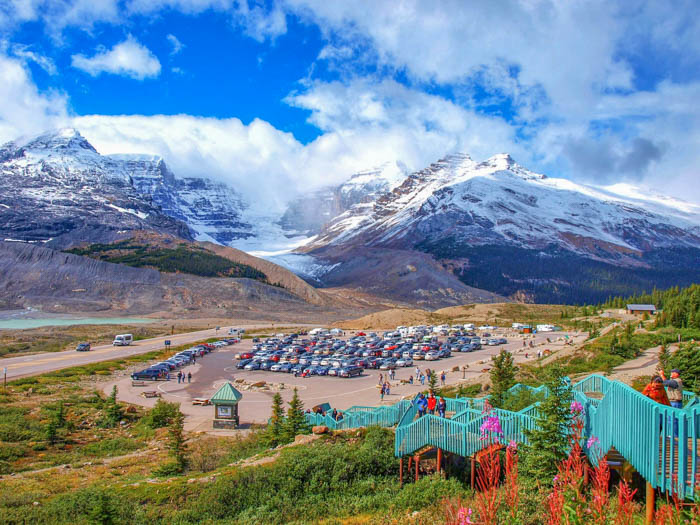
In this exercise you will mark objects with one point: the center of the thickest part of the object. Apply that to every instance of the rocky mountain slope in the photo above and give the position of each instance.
(57, 190)
(308, 214)
(501, 227)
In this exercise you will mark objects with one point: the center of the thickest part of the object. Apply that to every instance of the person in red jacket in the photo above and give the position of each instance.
(432, 403)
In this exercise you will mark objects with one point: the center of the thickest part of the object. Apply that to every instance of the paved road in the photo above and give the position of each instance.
(49, 361)
(214, 369)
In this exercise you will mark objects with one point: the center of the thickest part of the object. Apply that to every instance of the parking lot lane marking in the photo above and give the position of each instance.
(170, 393)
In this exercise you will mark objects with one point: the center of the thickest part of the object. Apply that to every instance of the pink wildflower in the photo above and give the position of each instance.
(592, 441)
(576, 407)
(464, 516)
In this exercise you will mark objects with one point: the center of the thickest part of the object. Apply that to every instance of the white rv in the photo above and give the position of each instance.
(123, 340)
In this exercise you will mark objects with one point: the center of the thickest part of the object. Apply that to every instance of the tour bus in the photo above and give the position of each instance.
(123, 340)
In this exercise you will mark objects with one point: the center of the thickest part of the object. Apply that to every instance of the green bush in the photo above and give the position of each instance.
(111, 447)
(161, 414)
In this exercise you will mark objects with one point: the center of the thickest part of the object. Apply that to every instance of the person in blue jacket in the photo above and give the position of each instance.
(422, 405)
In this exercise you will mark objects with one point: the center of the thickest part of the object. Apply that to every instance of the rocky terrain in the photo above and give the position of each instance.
(57, 190)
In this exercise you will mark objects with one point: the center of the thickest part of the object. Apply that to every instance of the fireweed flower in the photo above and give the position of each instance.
(576, 407)
(513, 445)
(491, 425)
(464, 516)
(592, 441)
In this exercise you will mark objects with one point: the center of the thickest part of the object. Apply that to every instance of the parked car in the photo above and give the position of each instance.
(147, 374)
(243, 362)
(253, 365)
(351, 371)
(404, 361)
(83, 347)
(432, 356)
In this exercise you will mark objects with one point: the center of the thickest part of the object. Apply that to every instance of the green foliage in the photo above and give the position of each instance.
(113, 412)
(502, 377)
(161, 415)
(295, 422)
(679, 307)
(523, 398)
(432, 381)
(176, 441)
(275, 427)
(186, 259)
(664, 356)
(314, 483)
(548, 440)
(687, 360)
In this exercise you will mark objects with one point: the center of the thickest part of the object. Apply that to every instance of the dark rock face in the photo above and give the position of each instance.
(211, 209)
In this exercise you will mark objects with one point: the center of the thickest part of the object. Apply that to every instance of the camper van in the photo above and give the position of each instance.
(123, 340)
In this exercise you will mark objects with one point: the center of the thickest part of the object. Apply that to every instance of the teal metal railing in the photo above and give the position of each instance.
(659, 441)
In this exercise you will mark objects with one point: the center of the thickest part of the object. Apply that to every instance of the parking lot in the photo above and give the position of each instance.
(213, 369)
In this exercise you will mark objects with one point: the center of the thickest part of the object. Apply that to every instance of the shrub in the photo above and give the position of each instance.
(161, 414)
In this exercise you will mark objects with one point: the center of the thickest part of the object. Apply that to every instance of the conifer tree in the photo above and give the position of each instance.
(176, 441)
(502, 377)
(432, 381)
(548, 440)
(296, 420)
(275, 427)
(664, 356)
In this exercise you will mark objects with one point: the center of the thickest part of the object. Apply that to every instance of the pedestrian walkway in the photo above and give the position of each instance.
(618, 416)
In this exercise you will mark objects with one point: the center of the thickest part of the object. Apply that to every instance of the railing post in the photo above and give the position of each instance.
(400, 472)
(439, 460)
(650, 504)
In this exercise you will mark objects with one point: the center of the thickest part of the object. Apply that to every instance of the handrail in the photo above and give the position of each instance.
(660, 442)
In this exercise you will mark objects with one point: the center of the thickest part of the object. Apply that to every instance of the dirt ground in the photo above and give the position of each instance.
(217, 368)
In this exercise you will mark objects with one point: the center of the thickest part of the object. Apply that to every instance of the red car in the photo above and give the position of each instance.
(247, 355)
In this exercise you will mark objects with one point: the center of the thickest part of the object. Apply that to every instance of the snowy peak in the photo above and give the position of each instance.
(60, 141)
(498, 201)
(504, 162)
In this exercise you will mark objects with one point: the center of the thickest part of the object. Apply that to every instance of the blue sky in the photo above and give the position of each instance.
(302, 92)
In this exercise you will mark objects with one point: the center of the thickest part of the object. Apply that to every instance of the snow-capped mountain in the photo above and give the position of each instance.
(308, 214)
(58, 190)
(503, 228)
(211, 209)
(497, 201)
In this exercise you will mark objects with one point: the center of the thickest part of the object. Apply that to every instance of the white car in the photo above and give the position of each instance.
(432, 356)
(404, 361)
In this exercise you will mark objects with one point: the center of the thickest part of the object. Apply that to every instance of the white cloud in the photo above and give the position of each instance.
(58, 15)
(175, 43)
(128, 58)
(26, 54)
(24, 110)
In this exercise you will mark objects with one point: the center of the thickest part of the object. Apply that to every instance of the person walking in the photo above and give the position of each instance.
(422, 380)
(417, 372)
(381, 393)
(179, 377)
(189, 377)
(410, 380)
(442, 407)
(381, 379)
(387, 388)
(674, 387)
(442, 378)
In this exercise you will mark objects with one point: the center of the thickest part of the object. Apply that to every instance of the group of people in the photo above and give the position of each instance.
(385, 389)
(184, 378)
(667, 392)
(431, 404)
